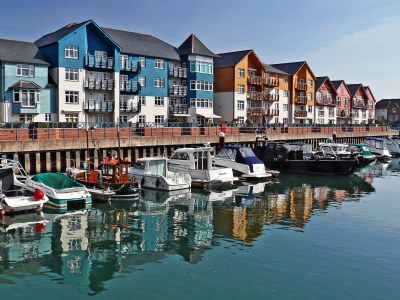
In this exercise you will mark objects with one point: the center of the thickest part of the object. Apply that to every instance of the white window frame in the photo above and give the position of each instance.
(240, 105)
(159, 119)
(71, 74)
(25, 70)
(71, 97)
(309, 96)
(25, 118)
(241, 72)
(123, 119)
(286, 79)
(159, 101)
(159, 82)
(142, 100)
(240, 88)
(310, 83)
(142, 119)
(285, 93)
(285, 107)
(142, 62)
(309, 109)
(47, 117)
(142, 81)
(71, 118)
(71, 52)
(159, 64)
(27, 98)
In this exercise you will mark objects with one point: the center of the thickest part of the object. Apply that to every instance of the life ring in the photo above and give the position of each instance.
(157, 182)
(142, 182)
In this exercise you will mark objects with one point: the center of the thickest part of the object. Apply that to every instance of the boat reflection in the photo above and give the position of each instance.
(88, 248)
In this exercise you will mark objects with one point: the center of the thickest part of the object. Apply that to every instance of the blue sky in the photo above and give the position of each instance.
(354, 40)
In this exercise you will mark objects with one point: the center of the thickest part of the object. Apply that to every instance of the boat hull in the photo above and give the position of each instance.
(314, 166)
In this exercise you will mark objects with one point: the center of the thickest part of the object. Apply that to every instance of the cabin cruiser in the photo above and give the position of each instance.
(336, 150)
(197, 162)
(393, 146)
(152, 172)
(378, 146)
(243, 162)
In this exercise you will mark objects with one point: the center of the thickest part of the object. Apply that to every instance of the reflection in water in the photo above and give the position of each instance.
(87, 248)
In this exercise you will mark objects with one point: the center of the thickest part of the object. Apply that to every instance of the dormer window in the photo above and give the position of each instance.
(25, 70)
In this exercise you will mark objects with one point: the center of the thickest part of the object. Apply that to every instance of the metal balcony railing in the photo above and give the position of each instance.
(92, 61)
(129, 87)
(99, 105)
(130, 66)
(99, 84)
(178, 72)
(128, 107)
(178, 109)
(178, 90)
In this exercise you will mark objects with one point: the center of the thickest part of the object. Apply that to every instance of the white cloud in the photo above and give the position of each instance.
(369, 56)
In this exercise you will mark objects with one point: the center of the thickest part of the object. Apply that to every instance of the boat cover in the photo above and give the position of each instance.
(58, 181)
(242, 155)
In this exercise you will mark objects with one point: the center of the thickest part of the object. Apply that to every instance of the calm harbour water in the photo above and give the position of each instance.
(299, 237)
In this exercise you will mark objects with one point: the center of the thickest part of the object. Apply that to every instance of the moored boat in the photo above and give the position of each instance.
(365, 156)
(378, 146)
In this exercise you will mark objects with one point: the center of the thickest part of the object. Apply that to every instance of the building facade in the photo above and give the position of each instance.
(343, 104)
(325, 101)
(388, 110)
(359, 103)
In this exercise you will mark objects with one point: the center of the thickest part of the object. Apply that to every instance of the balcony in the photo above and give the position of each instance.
(271, 82)
(300, 100)
(99, 106)
(132, 87)
(255, 111)
(130, 66)
(99, 84)
(300, 114)
(91, 61)
(256, 80)
(301, 86)
(178, 91)
(127, 107)
(359, 104)
(324, 100)
(271, 112)
(255, 95)
(344, 114)
(178, 109)
(271, 97)
(178, 72)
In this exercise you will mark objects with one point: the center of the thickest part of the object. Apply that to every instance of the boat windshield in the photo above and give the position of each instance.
(227, 153)
(157, 167)
(246, 152)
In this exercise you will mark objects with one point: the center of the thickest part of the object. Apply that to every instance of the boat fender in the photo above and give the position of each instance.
(157, 182)
(142, 182)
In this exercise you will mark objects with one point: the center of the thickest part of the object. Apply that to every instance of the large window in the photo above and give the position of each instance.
(71, 97)
(159, 82)
(71, 118)
(27, 98)
(159, 101)
(201, 67)
(240, 105)
(71, 52)
(241, 88)
(71, 74)
(25, 70)
(199, 102)
(201, 85)
(159, 63)
(142, 62)
(159, 119)
(25, 118)
(241, 73)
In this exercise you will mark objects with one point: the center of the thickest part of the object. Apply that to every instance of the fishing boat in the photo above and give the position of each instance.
(112, 176)
(14, 197)
(378, 146)
(365, 156)
(197, 162)
(290, 158)
(153, 173)
(62, 191)
(243, 162)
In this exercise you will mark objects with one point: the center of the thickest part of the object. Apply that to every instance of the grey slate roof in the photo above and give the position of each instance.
(22, 84)
(319, 81)
(384, 103)
(192, 45)
(272, 69)
(142, 44)
(290, 68)
(18, 51)
(58, 34)
(337, 83)
(230, 59)
(353, 88)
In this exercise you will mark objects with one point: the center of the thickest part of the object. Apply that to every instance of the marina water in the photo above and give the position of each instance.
(299, 237)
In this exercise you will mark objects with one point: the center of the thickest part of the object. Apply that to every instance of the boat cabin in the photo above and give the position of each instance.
(114, 170)
(154, 166)
(194, 158)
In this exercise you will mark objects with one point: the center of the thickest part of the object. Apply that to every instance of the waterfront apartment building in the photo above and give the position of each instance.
(325, 101)
(388, 110)
(359, 103)
(25, 92)
(371, 101)
(301, 91)
(343, 104)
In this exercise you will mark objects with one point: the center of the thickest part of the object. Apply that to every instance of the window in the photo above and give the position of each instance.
(100, 118)
(71, 118)
(286, 79)
(277, 106)
(338, 99)
(159, 63)
(25, 118)
(142, 81)
(301, 80)
(142, 100)
(285, 107)
(123, 119)
(71, 74)
(331, 112)
(240, 105)
(159, 82)
(47, 117)
(142, 62)
(319, 96)
(251, 104)
(159, 101)
(309, 108)
(241, 88)
(142, 119)
(346, 101)
(241, 73)
(309, 96)
(310, 83)
(201, 67)
(25, 70)
(240, 120)
(71, 52)
(27, 98)
(159, 119)
(124, 61)
(199, 102)
(285, 120)
(123, 78)
(71, 97)
(285, 93)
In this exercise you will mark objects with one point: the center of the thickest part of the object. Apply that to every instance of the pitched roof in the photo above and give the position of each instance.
(230, 59)
(384, 103)
(22, 84)
(19, 51)
(192, 45)
(272, 69)
(353, 88)
(337, 83)
(366, 87)
(142, 44)
(58, 34)
(290, 68)
(320, 80)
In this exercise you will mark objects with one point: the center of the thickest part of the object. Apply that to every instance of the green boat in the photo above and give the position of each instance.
(366, 156)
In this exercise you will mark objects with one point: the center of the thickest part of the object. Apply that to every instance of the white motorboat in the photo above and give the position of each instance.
(378, 146)
(393, 145)
(243, 162)
(336, 150)
(14, 197)
(153, 173)
(197, 162)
